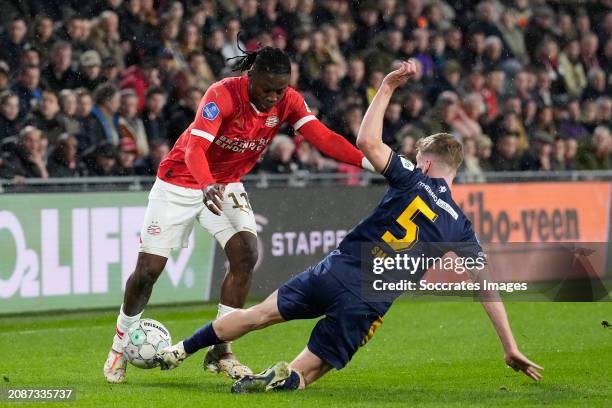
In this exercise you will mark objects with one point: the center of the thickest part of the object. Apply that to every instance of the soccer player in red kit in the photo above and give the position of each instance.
(200, 180)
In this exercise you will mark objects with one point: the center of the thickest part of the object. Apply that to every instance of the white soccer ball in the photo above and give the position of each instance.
(145, 338)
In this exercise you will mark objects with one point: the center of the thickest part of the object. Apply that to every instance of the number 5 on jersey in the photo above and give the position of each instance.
(406, 220)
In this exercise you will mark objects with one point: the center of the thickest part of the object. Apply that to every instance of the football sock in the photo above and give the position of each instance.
(291, 383)
(123, 323)
(224, 347)
(203, 337)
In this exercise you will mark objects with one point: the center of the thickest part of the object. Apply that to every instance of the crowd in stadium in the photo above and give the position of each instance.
(105, 87)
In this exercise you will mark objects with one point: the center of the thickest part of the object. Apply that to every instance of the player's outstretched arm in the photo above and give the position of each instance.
(496, 311)
(369, 139)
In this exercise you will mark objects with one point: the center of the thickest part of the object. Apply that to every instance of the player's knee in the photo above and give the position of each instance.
(147, 271)
(244, 262)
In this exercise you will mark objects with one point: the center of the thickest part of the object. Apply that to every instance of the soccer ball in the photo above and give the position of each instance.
(145, 338)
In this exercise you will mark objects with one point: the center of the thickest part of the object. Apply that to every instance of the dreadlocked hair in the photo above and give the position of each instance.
(267, 59)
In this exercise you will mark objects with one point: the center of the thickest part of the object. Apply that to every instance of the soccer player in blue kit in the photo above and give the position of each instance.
(417, 207)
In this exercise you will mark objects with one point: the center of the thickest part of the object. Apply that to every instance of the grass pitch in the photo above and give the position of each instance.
(425, 354)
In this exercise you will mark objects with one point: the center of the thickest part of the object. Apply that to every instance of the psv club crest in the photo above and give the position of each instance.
(272, 121)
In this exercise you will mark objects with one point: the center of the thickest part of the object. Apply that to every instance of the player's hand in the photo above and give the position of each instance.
(404, 70)
(213, 197)
(518, 362)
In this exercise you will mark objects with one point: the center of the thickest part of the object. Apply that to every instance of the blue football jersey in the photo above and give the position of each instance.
(416, 214)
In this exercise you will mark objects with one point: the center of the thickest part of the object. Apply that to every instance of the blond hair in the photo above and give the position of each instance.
(444, 146)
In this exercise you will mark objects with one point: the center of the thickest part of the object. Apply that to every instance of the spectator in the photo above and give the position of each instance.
(13, 41)
(45, 117)
(327, 89)
(101, 161)
(408, 147)
(134, 30)
(318, 57)
(571, 70)
(558, 154)
(589, 45)
(392, 124)
(4, 77)
(27, 88)
(169, 30)
(63, 161)
(350, 122)
(106, 104)
(571, 150)
(506, 154)
(212, 51)
(110, 71)
(130, 125)
(126, 157)
(471, 166)
(90, 70)
(42, 36)
(492, 55)
(183, 114)
(589, 117)
(543, 93)
(28, 159)
(140, 78)
(158, 150)
(453, 39)
(190, 40)
(76, 32)
(604, 111)
(513, 36)
(68, 112)
(596, 85)
(540, 27)
(354, 81)
(413, 109)
(232, 46)
(483, 152)
(448, 82)
(152, 115)
(58, 75)
(473, 54)
(91, 131)
(142, 34)
(595, 155)
(539, 157)
(105, 37)
(422, 53)
(381, 56)
(9, 114)
(280, 159)
(571, 126)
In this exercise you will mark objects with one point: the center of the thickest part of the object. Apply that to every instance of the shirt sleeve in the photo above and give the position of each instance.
(215, 106)
(469, 245)
(401, 173)
(299, 113)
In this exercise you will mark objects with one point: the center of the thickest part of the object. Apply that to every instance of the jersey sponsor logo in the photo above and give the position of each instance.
(241, 146)
(407, 163)
(272, 121)
(439, 202)
(210, 111)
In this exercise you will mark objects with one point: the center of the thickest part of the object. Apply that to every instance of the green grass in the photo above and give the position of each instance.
(425, 354)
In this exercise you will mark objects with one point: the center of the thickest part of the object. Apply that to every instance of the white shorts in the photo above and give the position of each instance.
(172, 211)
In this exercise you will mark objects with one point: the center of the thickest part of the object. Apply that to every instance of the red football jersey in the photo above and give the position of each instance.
(239, 133)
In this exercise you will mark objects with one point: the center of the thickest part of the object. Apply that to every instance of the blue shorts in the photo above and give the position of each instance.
(348, 324)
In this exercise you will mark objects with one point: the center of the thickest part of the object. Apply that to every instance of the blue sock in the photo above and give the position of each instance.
(291, 383)
(203, 337)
